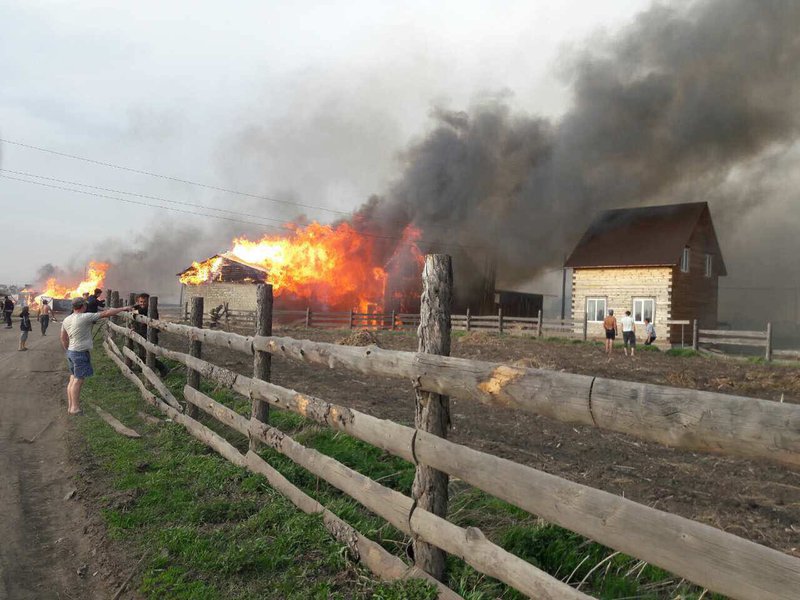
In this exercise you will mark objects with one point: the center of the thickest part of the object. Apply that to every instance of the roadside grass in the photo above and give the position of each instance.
(217, 531)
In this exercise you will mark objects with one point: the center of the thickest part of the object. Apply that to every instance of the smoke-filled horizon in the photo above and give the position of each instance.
(688, 103)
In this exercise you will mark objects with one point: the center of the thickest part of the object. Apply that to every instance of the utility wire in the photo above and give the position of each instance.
(177, 179)
(283, 229)
(94, 187)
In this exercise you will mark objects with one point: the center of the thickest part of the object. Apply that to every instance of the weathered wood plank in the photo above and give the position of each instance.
(154, 380)
(399, 510)
(688, 419)
(720, 561)
(116, 424)
(760, 335)
(732, 341)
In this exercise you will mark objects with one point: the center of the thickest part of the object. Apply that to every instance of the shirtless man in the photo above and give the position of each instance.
(610, 325)
(76, 338)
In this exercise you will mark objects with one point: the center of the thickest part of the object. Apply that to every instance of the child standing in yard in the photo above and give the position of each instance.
(649, 332)
(25, 327)
(628, 333)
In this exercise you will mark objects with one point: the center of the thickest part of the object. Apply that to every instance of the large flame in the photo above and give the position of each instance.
(95, 274)
(333, 266)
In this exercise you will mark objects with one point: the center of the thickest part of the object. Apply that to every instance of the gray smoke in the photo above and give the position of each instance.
(669, 110)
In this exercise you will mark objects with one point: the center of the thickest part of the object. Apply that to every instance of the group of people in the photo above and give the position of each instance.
(612, 326)
(25, 325)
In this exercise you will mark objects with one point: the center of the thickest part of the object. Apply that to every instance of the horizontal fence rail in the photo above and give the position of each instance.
(702, 554)
(682, 418)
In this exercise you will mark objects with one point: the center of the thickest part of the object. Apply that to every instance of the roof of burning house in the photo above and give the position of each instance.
(644, 236)
(235, 269)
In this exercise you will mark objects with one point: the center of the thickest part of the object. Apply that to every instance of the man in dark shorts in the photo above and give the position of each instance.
(8, 309)
(628, 333)
(76, 338)
(610, 325)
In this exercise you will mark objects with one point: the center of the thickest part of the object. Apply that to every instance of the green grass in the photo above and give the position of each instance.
(214, 530)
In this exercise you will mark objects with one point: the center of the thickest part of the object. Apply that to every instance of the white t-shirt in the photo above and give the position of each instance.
(79, 329)
(627, 323)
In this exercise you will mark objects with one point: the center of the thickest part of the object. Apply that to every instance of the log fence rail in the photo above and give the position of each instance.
(688, 419)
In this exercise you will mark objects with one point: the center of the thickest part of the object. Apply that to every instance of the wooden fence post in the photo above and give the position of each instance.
(108, 293)
(129, 343)
(585, 325)
(225, 311)
(152, 332)
(469, 321)
(695, 330)
(351, 318)
(433, 410)
(769, 342)
(195, 348)
(185, 311)
(394, 319)
(262, 361)
(539, 324)
(500, 320)
(308, 317)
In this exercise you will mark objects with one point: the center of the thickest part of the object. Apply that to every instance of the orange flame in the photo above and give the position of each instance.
(334, 266)
(95, 274)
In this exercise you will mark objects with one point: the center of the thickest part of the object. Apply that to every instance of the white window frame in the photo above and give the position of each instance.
(685, 260)
(652, 301)
(709, 265)
(591, 317)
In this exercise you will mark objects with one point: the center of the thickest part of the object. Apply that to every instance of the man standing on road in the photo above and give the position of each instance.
(8, 308)
(628, 333)
(76, 338)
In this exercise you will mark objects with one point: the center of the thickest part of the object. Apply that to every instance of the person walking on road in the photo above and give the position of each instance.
(76, 339)
(628, 333)
(25, 328)
(45, 314)
(8, 308)
(610, 325)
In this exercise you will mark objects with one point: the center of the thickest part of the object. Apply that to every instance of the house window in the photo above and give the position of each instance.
(685, 260)
(643, 308)
(709, 265)
(595, 309)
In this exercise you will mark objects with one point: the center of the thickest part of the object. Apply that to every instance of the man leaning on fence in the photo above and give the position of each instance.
(76, 338)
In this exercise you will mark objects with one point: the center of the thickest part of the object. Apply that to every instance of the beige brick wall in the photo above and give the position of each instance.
(619, 286)
(239, 296)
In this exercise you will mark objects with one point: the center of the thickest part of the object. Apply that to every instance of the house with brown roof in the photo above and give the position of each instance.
(659, 262)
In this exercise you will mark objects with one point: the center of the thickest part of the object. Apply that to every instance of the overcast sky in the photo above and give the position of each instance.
(306, 102)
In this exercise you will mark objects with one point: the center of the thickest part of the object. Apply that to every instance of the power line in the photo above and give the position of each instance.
(188, 212)
(283, 229)
(170, 178)
(159, 199)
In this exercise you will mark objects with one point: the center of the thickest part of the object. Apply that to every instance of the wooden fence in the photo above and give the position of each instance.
(689, 419)
(726, 337)
(498, 323)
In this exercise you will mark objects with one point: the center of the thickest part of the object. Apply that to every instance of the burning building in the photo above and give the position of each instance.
(333, 268)
(223, 278)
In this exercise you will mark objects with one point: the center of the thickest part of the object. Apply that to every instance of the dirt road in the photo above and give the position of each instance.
(42, 543)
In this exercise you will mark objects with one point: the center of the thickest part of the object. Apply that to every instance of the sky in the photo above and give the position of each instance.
(301, 102)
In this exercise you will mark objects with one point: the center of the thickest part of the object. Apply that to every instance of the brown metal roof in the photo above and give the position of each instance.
(231, 258)
(637, 237)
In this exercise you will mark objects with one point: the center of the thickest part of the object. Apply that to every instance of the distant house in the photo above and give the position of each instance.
(223, 278)
(661, 262)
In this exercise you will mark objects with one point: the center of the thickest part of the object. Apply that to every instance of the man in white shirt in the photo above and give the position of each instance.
(76, 338)
(628, 333)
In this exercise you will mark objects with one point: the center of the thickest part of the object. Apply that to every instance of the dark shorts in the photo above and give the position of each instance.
(610, 334)
(80, 364)
(629, 337)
